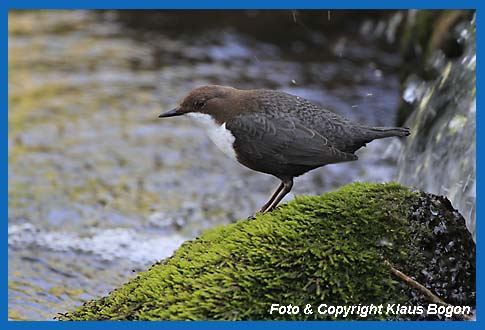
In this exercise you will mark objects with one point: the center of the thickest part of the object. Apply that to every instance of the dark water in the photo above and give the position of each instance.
(99, 187)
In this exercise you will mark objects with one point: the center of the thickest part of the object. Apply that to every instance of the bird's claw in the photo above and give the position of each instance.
(252, 217)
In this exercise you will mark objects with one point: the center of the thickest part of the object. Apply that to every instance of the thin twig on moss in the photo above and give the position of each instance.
(415, 284)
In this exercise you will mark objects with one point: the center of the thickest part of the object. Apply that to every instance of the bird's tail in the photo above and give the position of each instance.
(383, 132)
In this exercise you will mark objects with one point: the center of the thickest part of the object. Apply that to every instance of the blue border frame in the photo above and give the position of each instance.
(5, 5)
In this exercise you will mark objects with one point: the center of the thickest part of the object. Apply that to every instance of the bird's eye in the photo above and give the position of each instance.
(199, 104)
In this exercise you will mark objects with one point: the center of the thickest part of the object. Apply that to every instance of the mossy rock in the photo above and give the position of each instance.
(328, 249)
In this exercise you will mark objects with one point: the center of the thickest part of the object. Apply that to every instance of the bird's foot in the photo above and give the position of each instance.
(262, 211)
(253, 216)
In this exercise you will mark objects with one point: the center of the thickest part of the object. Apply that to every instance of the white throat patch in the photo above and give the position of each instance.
(219, 134)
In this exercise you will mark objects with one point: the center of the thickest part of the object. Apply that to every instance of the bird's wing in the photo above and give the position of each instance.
(341, 132)
(284, 140)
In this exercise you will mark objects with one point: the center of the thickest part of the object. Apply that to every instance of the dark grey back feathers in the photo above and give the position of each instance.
(286, 135)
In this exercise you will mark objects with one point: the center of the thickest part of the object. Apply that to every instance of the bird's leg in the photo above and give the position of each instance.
(275, 194)
(287, 185)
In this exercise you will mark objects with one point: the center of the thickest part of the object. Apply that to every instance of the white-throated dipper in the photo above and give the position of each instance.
(276, 133)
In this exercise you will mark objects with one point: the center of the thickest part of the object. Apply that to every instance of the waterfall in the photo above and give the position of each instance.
(440, 155)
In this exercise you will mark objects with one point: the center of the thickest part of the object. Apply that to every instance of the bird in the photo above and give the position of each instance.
(276, 133)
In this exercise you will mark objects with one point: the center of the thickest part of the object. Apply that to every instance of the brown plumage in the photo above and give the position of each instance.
(277, 133)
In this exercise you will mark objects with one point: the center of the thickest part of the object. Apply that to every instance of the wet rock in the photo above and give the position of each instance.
(334, 249)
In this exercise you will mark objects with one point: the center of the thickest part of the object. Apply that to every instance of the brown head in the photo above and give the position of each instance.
(221, 102)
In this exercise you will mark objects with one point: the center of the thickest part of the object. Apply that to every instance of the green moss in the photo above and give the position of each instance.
(328, 248)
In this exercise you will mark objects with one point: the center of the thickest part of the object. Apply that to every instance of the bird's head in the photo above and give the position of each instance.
(214, 100)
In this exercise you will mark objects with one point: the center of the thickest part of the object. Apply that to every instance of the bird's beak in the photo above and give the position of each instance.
(171, 113)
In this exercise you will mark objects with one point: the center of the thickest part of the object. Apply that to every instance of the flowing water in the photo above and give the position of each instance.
(100, 188)
(440, 156)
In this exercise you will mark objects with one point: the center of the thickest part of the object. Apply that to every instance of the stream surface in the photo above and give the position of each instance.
(100, 188)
